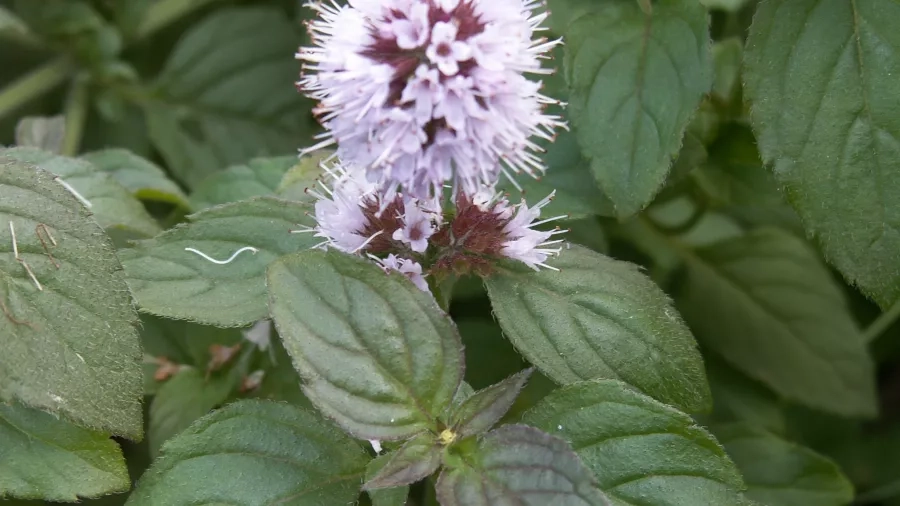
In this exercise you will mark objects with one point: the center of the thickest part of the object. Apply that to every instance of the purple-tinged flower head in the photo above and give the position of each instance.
(353, 216)
(487, 227)
(422, 92)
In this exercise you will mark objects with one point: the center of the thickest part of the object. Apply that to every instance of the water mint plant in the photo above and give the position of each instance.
(449, 252)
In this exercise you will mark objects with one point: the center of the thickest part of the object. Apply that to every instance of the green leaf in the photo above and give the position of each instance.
(635, 81)
(787, 325)
(737, 398)
(11, 25)
(183, 399)
(377, 354)
(260, 176)
(518, 465)
(480, 411)
(396, 496)
(781, 473)
(70, 347)
(642, 452)
(112, 205)
(302, 175)
(821, 78)
(143, 179)
(40, 132)
(599, 318)
(253, 453)
(169, 281)
(226, 94)
(569, 174)
(46, 457)
(727, 56)
(412, 462)
(735, 181)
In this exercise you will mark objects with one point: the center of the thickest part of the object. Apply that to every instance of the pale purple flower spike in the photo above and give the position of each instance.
(409, 268)
(423, 92)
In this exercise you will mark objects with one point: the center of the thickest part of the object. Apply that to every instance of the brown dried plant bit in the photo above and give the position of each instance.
(221, 355)
(166, 369)
(253, 381)
(12, 318)
(41, 231)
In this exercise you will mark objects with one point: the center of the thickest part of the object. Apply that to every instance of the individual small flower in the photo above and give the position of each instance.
(409, 268)
(422, 92)
(353, 216)
(420, 222)
(487, 227)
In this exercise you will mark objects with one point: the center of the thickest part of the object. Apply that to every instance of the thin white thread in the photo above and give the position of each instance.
(80, 197)
(12, 232)
(223, 262)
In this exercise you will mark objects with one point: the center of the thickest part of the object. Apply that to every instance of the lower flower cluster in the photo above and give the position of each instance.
(420, 238)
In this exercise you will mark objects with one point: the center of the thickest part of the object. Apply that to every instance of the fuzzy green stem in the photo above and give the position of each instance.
(76, 115)
(165, 12)
(33, 85)
(882, 323)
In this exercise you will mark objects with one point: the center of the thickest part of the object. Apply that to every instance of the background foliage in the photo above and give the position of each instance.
(722, 331)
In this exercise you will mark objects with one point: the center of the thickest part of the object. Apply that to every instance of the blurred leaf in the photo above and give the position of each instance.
(227, 94)
(301, 176)
(167, 280)
(781, 319)
(737, 398)
(821, 78)
(377, 354)
(183, 399)
(736, 182)
(41, 132)
(635, 81)
(255, 452)
(642, 452)
(727, 55)
(260, 176)
(520, 465)
(781, 473)
(46, 457)
(112, 205)
(145, 180)
(592, 320)
(71, 346)
(726, 5)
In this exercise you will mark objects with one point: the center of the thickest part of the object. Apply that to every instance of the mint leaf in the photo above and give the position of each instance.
(167, 280)
(412, 462)
(396, 496)
(821, 78)
(255, 452)
(481, 410)
(46, 457)
(260, 176)
(182, 399)
(111, 204)
(788, 324)
(303, 175)
(641, 451)
(739, 398)
(781, 473)
(592, 320)
(226, 94)
(70, 346)
(635, 81)
(377, 354)
(144, 179)
(516, 464)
